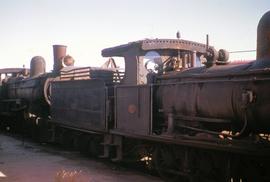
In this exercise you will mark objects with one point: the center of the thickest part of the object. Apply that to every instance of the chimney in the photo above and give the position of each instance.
(59, 52)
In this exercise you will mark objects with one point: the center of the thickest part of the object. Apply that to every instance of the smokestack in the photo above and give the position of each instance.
(59, 52)
(263, 37)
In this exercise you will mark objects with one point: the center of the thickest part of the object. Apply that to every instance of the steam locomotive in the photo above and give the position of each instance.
(188, 122)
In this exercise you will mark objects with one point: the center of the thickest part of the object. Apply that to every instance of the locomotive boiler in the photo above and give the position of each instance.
(219, 97)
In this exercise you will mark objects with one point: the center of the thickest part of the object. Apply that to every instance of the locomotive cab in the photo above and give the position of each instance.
(145, 60)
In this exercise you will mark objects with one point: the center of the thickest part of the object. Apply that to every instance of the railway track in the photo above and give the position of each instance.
(23, 160)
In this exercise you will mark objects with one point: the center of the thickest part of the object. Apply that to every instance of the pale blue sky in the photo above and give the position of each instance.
(31, 27)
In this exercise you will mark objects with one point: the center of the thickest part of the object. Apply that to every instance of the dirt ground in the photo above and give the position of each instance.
(31, 162)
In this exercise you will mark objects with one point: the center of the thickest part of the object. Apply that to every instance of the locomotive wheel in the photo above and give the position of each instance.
(34, 129)
(67, 140)
(210, 166)
(83, 144)
(90, 146)
(168, 165)
(94, 147)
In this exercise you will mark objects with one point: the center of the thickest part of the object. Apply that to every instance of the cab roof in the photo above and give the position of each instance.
(155, 44)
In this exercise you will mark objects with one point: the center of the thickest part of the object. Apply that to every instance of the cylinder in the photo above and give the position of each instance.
(37, 66)
(263, 37)
(59, 52)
